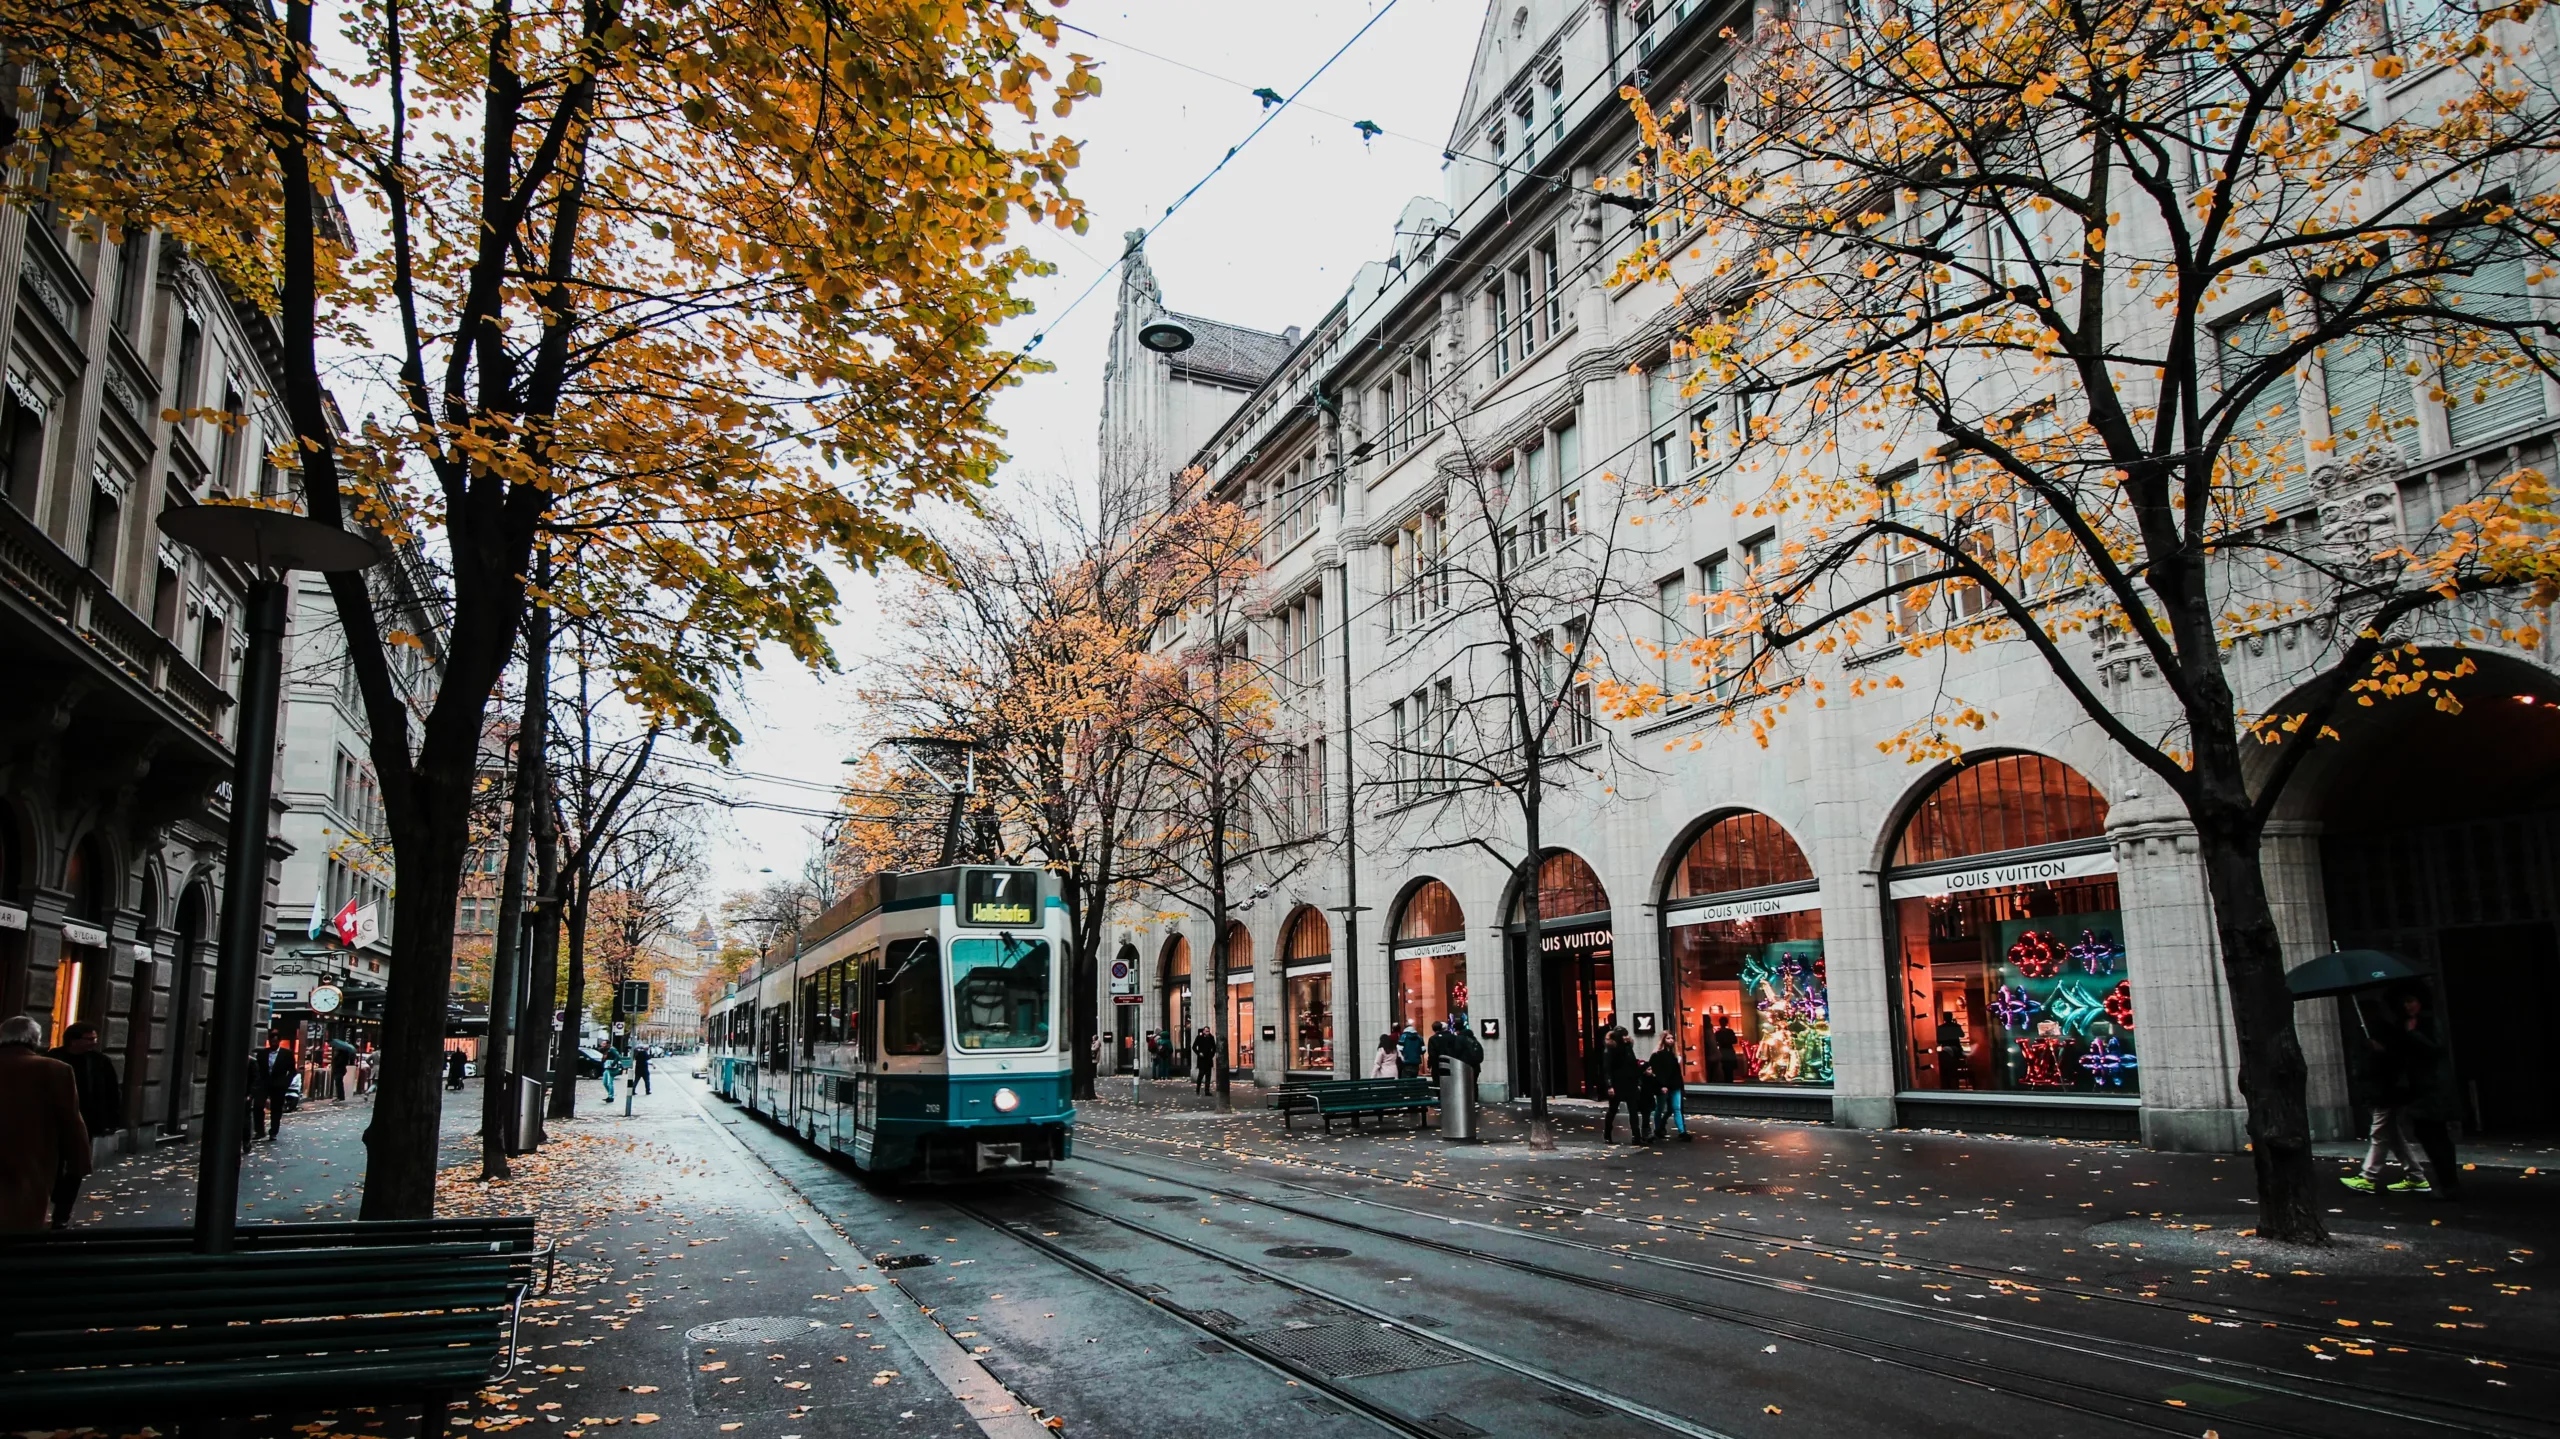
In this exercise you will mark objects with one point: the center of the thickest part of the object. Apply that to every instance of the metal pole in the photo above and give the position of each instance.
(244, 909)
(1350, 859)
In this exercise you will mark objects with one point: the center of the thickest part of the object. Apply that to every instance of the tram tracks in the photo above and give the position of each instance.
(2016, 1277)
(2263, 1381)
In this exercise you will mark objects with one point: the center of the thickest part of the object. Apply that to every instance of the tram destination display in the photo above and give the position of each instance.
(1001, 896)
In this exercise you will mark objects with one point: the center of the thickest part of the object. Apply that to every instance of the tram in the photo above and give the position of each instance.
(915, 1029)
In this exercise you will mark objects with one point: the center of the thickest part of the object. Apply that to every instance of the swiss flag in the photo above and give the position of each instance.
(344, 922)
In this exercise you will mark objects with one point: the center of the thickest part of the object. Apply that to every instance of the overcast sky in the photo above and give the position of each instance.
(1271, 242)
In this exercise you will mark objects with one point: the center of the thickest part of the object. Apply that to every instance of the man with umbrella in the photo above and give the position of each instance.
(2401, 1073)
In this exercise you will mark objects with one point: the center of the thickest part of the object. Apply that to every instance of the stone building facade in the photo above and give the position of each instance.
(114, 790)
(2020, 943)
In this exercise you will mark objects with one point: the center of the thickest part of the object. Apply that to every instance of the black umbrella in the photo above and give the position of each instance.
(2346, 971)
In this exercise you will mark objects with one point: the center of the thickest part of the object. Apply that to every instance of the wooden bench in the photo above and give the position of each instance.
(91, 1335)
(512, 1231)
(1352, 1098)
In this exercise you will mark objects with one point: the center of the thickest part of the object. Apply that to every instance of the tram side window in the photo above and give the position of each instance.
(862, 986)
(911, 998)
(1000, 992)
(810, 1017)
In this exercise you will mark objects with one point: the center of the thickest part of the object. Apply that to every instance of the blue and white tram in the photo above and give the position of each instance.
(917, 1029)
(728, 1042)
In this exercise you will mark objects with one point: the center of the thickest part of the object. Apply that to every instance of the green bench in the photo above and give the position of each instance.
(513, 1231)
(119, 1327)
(1351, 1098)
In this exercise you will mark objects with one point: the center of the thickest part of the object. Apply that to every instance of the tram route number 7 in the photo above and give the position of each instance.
(1001, 896)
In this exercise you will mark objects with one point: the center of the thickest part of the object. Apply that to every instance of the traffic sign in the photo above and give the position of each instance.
(635, 996)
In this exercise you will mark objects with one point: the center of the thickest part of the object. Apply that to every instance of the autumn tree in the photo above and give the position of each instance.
(1035, 648)
(1507, 600)
(1224, 790)
(2039, 322)
(732, 266)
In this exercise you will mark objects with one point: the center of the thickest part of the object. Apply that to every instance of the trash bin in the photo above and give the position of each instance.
(1458, 1101)
(529, 1104)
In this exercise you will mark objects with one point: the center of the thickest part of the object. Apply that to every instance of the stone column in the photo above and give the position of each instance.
(2182, 1014)
(2297, 891)
(1857, 942)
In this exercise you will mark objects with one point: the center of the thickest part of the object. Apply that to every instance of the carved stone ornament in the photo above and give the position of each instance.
(2359, 505)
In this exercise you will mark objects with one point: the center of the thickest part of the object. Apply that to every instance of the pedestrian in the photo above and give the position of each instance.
(1667, 1080)
(2400, 1067)
(640, 1071)
(365, 1061)
(1464, 1046)
(1158, 1066)
(1436, 1052)
(1951, 1065)
(453, 1069)
(271, 1072)
(1204, 1060)
(1383, 1065)
(1728, 1046)
(1624, 1075)
(43, 1142)
(101, 1092)
(613, 1067)
(1408, 1052)
(2431, 1101)
(341, 1056)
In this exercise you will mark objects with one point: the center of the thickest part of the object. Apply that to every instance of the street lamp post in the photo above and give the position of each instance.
(269, 543)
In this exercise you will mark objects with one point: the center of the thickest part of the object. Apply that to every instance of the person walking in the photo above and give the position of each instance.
(1624, 1075)
(1667, 1081)
(1951, 1065)
(454, 1065)
(2401, 1066)
(271, 1073)
(43, 1142)
(1725, 1061)
(1204, 1060)
(1382, 1065)
(614, 1063)
(101, 1092)
(640, 1071)
(342, 1056)
(1408, 1052)
(365, 1061)
(1435, 1053)
(2431, 1096)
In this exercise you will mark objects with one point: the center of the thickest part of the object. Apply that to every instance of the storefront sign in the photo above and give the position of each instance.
(326, 998)
(1766, 904)
(1998, 876)
(75, 933)
(12, 917)
(1128, 999)
(1492, 1028)
(1644, 1024)
(1578, 939)
(1433, 948)
(1270, 1034)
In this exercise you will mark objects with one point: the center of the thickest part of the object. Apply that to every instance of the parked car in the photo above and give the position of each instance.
(590, 1063)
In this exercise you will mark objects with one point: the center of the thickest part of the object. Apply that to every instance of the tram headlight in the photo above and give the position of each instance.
(1007, 1101)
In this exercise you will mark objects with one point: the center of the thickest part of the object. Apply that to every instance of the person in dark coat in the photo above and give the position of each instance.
(1204, 1056)
(2401, 1077)
(1725, 1055)
(1624, 1074)
(640, 1070)
(341, 1055)
(42, 1140)
(1408, 1052)
(101, 1092)
(453, 1069)
(1436, 1053)
(270, 1085)
(1664, 1070)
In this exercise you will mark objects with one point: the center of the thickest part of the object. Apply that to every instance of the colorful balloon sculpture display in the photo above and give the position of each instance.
(2064, 1008)
(1789, 988)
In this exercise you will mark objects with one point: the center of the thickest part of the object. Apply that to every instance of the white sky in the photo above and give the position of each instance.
(1273, 241)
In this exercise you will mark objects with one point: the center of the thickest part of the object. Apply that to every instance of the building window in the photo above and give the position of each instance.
(226, 452)
(104, 514)
(1498, 310)
(1742, 920)
(1428, 960)
(2264, 452)
(1549, 272)
(1524, 290)
(2009, 986)
(1496, 145)
(22, 448)
(1525, 110)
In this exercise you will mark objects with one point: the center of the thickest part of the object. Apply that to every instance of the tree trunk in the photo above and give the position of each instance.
(2274, 1078)
(1218, 990)
(408, 1103)
(1083, 973)
(542, 995)
(573, 994)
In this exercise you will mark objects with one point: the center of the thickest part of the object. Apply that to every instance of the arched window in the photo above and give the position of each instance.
(1430, 912)
(2010, 949)
(89, 882)
(1428, 979)
(1742, 936)
(1174, 1005)
(1239, 998)
(1307, 990)
(2018, 801)
(1566, 887)
(1239, 949)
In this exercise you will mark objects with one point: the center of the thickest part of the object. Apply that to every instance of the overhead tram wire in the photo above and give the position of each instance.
(1274, 113)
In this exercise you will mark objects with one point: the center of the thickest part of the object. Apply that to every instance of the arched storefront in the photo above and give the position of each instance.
(1742, 945)
(1173, 1003)
(2012, 976)
(1427, 960)
(2440, 842)
(1576, 941)
(1126, 1006)
(187, 1001)
(1306, 990)
(1239, 999)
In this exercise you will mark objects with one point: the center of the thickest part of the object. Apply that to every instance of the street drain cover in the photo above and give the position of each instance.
(1164, 1199)
(756, 1331)
(902, 1261)
(1351, 1351)
(1308, 1251)
(1575, 1403)
(1452, 1427)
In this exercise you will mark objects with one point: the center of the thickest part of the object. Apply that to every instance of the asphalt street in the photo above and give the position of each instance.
(1195, 1272)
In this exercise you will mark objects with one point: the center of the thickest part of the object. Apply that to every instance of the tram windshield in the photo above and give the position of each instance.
(1000, 992)
(910, 999)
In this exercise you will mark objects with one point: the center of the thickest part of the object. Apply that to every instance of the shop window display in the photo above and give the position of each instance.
(1310, 1021)
(1430, 959)
(2014, 974)
(1743, 931)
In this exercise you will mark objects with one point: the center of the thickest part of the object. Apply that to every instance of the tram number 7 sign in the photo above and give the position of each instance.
(1001, 896)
